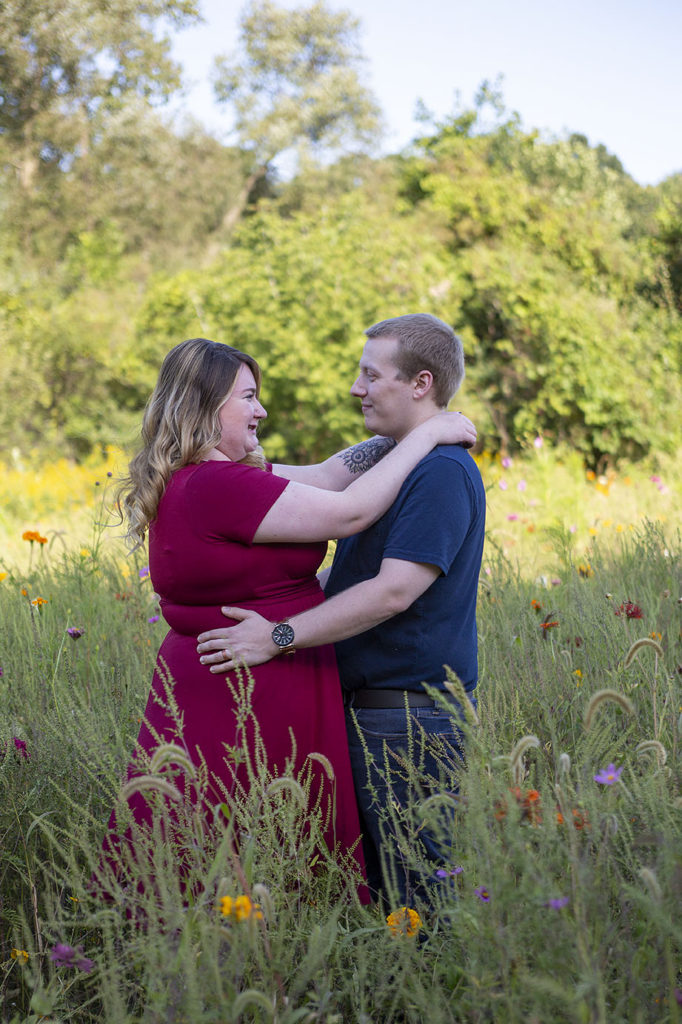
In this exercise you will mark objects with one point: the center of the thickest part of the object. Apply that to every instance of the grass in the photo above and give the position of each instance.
(583, 878)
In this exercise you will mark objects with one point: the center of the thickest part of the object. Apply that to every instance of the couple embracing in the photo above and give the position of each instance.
(234, 547)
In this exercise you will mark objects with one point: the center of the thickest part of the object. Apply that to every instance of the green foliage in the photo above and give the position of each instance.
(297, 293)
(531, 825)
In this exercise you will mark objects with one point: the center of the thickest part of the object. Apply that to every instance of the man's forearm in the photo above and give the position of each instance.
(340, 469)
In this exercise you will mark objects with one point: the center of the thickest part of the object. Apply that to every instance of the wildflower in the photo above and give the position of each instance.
(655, 479)
(450, 872)
(585, 570)
(3, 576)
(579, 819)
(538, 442)
(578, 673)
(536, 604)
(656, 636)
(153, 618)
(41, 540)
(24, 592)
(404, 923)
(591, 475)
(1, 672)
(75, 632)
(556, 581)
(557, 904)
(630, 610)
(144, 572)
(66, 956)
(21, 748)
(109, 473)
(521, 485)
(503, 485)
(607, 776)
(84, 553)
(549, 625)
(240, 908)
(512, 518)
(30, 535)
(482, 894)
(37, 601)
(506, 462)
(20, 955)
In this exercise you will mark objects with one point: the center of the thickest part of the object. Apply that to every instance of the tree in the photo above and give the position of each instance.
(62, 61)
(296, 83)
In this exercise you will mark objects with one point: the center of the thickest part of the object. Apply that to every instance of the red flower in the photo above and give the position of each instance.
(630, 610)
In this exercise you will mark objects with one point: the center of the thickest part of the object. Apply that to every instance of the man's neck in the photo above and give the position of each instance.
(421, 416)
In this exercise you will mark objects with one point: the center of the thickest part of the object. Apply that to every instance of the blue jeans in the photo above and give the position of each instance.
(379, 740)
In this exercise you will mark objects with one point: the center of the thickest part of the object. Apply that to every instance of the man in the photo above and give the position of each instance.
(401, 596)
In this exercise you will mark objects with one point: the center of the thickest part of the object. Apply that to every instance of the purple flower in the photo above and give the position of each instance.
(521, 485)
(512, 518)
(503, 485)
(482, 894)
(538, 442)
(1, 672)
(557, 904)
(20, 746)
(153, 618)
(655, 479)
(678, 996)
(66, 956)
(506, 462)
(451, 873)
(143, 572)
(607, 776)
(75, 632)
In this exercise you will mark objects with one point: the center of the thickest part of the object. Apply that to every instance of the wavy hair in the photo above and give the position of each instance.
(181, 424)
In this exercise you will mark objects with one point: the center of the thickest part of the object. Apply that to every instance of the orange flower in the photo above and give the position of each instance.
(37, 601)
(30, 535)
(404, 923)
(536, 604)
(41, 540)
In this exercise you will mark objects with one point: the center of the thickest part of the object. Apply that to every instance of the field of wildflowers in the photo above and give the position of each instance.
(561, 900)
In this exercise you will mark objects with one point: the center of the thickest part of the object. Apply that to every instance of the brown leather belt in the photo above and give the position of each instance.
(386, 699)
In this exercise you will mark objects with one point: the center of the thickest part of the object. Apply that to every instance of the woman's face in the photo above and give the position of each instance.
(239, 417)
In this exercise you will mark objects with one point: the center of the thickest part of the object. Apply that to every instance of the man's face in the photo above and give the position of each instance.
(387, 403)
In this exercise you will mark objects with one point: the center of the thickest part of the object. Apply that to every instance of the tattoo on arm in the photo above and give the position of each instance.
(366, 454)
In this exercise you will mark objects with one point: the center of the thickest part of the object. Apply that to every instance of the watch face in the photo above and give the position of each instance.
(283, 634)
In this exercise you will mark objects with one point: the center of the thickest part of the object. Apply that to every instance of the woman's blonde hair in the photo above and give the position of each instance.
(181, 424)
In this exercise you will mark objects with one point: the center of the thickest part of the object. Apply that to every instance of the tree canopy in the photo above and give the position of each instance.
(562, 274)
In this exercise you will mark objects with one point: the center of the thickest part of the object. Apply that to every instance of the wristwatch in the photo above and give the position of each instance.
(283, 636)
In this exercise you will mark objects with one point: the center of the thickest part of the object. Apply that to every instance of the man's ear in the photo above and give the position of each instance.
(423, 384)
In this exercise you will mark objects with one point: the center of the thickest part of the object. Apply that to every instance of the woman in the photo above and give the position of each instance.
(224, 528)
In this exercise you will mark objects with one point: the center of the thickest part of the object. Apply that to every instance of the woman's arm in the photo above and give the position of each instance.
(304, 514)
(340, 469)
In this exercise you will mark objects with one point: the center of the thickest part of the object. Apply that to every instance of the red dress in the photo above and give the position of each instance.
(201, 556)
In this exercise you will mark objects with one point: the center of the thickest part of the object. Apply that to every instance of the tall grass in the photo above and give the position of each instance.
(561, 900)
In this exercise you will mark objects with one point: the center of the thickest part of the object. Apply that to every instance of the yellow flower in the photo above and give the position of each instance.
(656, 636)
(19, 955)
(240, 908)
(85, 553)
(619, 527)
(592, 531)
(585, 570)
(3, 576)
(404, 922)
(37, 601)
(578, 673)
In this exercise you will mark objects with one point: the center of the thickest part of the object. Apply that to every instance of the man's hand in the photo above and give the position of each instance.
(250, 643)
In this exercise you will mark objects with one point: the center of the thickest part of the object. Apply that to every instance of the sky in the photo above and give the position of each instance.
(609, 70)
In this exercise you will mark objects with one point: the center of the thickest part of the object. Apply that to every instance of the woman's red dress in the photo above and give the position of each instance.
(202, 556)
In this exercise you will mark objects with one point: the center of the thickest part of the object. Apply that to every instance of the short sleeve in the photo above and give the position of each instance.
(433, 514)
(231, 500)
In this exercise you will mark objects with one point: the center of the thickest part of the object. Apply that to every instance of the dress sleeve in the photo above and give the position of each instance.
(231, 500)
(434, 514)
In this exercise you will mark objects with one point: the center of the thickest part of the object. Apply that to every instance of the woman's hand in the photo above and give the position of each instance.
(250, 643)
(451, 428)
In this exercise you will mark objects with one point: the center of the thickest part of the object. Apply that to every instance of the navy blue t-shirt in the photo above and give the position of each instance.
(438, 518)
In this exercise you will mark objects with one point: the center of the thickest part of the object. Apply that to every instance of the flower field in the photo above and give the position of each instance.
(561, 897)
